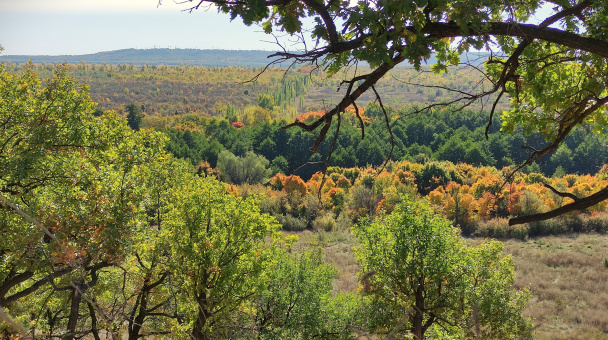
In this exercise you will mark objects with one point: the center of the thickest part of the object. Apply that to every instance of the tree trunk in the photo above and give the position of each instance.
(198, 333)
(141, 316)
(418, 317)
(94, 329)
(74, 308)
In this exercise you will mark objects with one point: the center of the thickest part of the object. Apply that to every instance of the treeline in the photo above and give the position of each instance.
(458, 137)
(477, 200)
(155, 56)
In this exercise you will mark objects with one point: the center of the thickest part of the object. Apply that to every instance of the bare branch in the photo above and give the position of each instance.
(492, 113)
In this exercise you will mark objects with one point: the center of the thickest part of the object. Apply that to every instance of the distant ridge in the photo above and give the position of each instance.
(156, 56)
(168, 56)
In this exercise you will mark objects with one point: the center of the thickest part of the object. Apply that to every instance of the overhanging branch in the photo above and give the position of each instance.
(580, 204)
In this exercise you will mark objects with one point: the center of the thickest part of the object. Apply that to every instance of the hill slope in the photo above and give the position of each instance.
(166, 56)
(157, 56)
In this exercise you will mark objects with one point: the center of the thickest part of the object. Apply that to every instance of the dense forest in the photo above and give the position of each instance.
(441, 136)
(129, 222)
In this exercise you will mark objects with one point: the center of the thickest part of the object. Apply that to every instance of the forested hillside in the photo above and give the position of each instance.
(182, 100)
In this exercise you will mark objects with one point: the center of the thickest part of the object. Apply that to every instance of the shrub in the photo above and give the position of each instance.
(325, 222)
(499, 228)
(294, 184)
(343, 222)
(496, 228)
(552, 226)
(597, 222)
(291, 223)
(432, 175)
(250, 169)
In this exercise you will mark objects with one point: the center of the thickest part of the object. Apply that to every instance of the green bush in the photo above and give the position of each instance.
(500, 228)
(325, 222)
(496, 228)
(554, 226)
(597, 223)
(291, 223)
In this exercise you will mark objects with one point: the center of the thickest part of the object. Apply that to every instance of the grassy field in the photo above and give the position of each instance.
(569, 283)
(566, 275)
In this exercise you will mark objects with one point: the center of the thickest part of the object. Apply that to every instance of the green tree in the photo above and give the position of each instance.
(554, 71)
(134, 116)
(279, 165)
(74, 179)
(217, 250)
(142, 284)
(265, 101)
(422, 279)
(250, 169)
(294, 299)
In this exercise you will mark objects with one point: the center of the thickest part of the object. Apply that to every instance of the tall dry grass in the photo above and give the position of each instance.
(569, 283)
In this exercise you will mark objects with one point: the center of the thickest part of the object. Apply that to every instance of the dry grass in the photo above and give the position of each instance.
(569, 283)
(337, 250)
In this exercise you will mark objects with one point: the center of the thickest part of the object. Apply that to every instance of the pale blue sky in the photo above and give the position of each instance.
(58, 27)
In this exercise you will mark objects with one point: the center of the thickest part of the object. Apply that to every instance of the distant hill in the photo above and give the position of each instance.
(157, 56)
(166, 56)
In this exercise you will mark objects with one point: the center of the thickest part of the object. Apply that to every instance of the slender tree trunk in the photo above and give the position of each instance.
(74, 308)
(418, 317)
(141, 306)
(78, 288)
(139, 319)
(94, 329)
(198, 333)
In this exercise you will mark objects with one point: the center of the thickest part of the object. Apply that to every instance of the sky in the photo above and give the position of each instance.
(74, 27)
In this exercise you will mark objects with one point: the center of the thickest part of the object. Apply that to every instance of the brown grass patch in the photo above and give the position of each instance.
(569, 284)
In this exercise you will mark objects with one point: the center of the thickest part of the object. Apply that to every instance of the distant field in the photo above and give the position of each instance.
(566, 275)
(203, 82)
